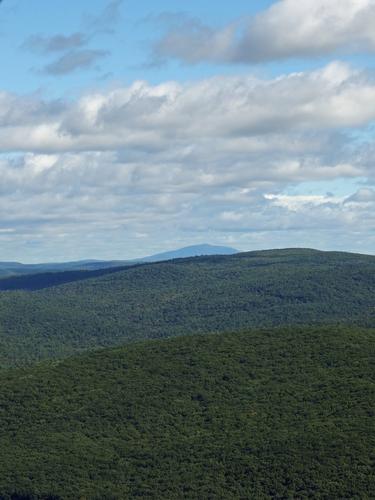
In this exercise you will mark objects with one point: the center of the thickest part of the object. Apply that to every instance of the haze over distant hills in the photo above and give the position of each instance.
(17, 268)
(191, 251)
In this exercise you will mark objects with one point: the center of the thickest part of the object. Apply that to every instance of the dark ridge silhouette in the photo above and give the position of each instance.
(39, 281)
(32, 282)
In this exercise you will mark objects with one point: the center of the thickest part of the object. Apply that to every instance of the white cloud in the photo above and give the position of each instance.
(230, 112)
(298, 202)
(184, 160)
(287, 29)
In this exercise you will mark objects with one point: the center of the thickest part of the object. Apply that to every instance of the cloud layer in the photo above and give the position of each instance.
(217, 156)
(236, 113)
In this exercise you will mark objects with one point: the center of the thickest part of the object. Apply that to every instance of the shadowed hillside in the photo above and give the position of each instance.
(42, 280)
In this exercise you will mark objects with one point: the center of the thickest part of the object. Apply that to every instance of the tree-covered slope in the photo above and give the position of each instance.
(42, 280)
(269, 414)
(187, 296)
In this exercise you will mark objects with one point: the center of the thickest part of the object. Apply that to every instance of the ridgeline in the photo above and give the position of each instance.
(180, 297)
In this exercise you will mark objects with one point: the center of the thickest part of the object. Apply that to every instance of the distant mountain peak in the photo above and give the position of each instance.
(192, 251)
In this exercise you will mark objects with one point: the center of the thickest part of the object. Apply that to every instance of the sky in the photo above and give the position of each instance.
(134, 127)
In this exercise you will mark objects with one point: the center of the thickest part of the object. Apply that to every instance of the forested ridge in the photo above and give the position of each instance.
(184, 296)
(275, 413)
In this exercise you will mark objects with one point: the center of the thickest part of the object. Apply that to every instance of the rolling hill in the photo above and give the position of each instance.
(261, 414)
(186, 296)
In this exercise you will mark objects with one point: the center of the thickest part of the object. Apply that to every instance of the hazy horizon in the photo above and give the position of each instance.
(171, 250)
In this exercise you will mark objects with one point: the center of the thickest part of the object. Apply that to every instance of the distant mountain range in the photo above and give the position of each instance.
(17, 269)
(191, 251)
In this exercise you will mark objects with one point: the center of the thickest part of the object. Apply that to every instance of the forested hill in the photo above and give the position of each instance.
(305, 257)
(269, 414)
(207, 294)
(38, 281)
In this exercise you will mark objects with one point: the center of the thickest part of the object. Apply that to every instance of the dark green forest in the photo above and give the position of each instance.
(267, 389)
(180, 297)
(274, 413)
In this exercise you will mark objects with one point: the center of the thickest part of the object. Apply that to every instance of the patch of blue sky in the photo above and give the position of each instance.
(337, 187)
(362, 136)
(127, 47)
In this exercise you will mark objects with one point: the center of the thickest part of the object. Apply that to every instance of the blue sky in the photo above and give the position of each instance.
(128, 42)
(128, 128)
(137, 25)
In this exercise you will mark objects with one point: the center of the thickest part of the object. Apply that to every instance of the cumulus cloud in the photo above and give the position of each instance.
(287, 29)
(222, 115)
(79, 201)
(180, 160)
